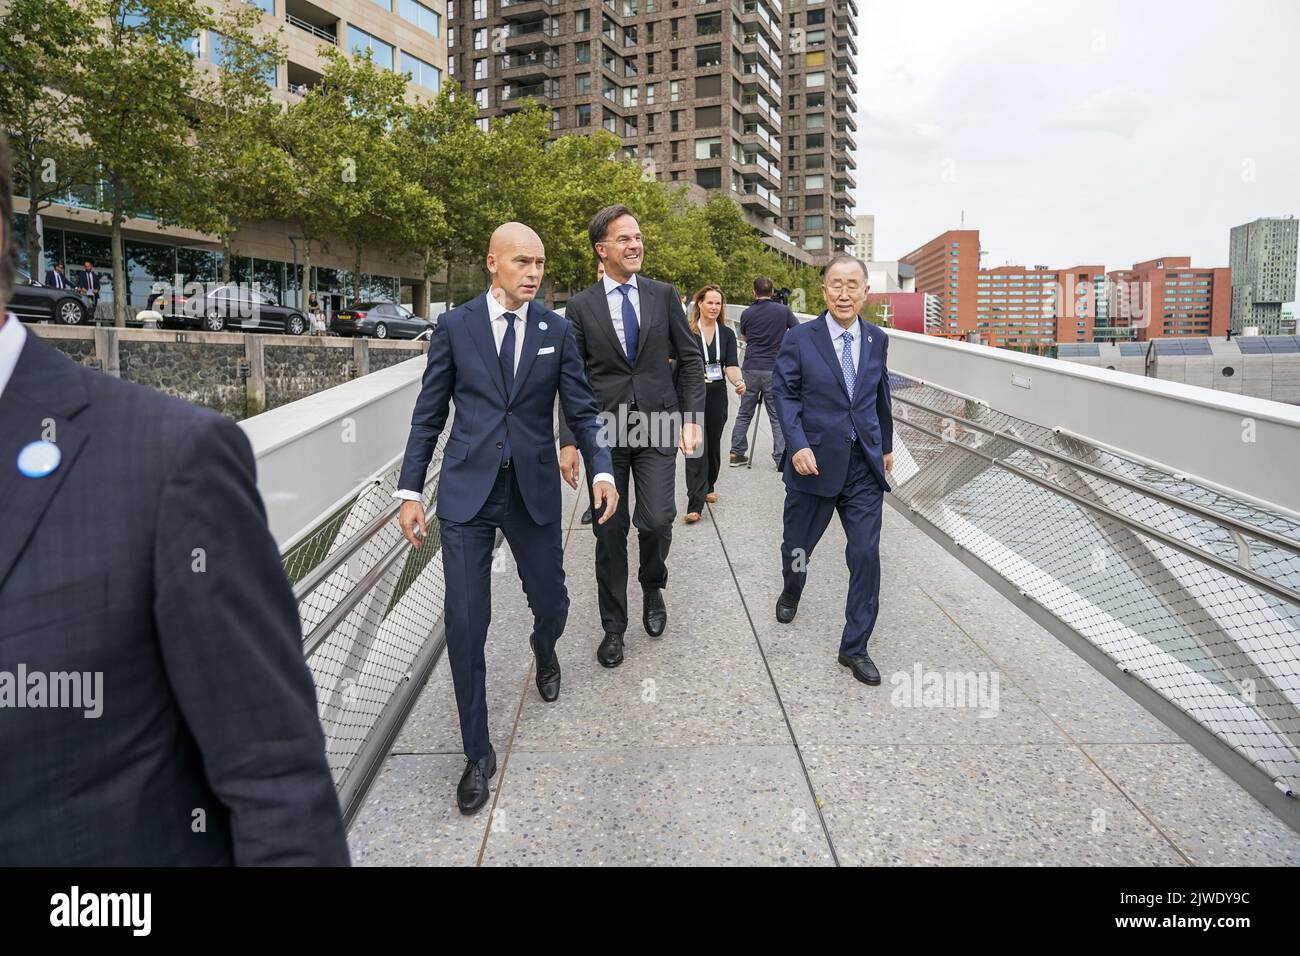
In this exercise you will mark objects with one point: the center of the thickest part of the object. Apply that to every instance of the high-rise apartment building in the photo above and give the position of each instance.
(752, 97)
(865, 248)
(1262, 256)
(948, 267)
(402, 35)
(1170, 296)
(820, 91)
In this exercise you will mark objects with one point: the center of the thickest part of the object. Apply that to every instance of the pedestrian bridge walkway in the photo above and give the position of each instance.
(1088, 656)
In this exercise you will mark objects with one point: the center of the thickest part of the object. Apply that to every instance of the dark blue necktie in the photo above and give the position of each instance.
(631, 329)
(850, 375)
(507, 357)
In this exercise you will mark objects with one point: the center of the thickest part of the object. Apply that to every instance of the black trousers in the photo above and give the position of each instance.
(467, 564)
(702, 471)
(655, 477)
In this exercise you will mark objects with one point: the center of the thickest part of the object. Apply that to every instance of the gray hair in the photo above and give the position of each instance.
(842, 257)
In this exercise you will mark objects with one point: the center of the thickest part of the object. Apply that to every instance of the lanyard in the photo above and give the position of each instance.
(717, 345)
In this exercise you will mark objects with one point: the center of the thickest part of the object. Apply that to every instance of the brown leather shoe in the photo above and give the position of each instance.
(692, 517)
(711, 497)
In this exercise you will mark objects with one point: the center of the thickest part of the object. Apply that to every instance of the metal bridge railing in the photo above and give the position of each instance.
(371, 610)
(1192, 591)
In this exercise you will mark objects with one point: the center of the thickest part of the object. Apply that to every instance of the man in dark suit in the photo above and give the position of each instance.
(54, 278)
(155, 708)
(832, 395)
(88, 285)
(627, 327)
(502, 358)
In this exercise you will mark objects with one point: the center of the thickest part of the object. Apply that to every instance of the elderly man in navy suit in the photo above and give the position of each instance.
(155, 708)
(832, 395)
(503, 359)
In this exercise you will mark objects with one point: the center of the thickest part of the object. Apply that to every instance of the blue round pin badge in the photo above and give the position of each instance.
(39, 459)
(542, 326)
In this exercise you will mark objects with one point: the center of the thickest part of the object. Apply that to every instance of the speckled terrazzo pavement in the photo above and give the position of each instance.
(717, 743)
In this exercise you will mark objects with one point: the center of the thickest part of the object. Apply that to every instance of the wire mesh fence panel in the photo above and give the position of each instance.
(370, 606)
(1190, 590)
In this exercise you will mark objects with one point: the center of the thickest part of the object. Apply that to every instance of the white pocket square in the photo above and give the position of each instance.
(546, 351)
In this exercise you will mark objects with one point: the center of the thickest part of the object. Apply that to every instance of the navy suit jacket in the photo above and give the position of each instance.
(145, 557)
(813, 405)
(51, 280)
(463, 367)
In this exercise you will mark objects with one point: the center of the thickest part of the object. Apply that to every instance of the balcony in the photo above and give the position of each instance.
(759, 132)
(522, 11)
(311, 19)
(751, 102)
(754, 164)
(756, 196)
(526, 36)
(546, 90)
(521, 66)
(755, 68)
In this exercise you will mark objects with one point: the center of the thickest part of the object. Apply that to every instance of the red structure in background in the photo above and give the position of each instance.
(906, 309)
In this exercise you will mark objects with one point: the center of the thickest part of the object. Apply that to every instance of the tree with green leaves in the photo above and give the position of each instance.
(241, 175)
(135, 91)
(38, 42)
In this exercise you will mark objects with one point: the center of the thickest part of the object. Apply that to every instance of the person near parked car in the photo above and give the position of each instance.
(315, 315)
(88, 285)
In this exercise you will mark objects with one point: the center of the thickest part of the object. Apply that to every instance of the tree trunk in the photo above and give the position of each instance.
(33, 242)
(356, 274)
(446, 299)
(227, 250)
(119, 271)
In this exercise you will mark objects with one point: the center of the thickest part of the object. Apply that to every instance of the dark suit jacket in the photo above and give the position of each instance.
(88, 282)
(463, 366)
(145, 556)
(52, 282)
(813, 405)
(650, 382)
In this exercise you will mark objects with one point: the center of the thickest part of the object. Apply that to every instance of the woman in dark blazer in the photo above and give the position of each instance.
(717, 344)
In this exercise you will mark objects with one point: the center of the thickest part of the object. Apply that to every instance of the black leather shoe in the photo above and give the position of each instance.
(786, 606)
(473, 790)
(548, 676)
(610, 652)
(586, 515)
(863, 668)
(655, 615)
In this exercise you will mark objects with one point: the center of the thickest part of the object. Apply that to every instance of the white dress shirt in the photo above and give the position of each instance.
(12, 337)
(837, 339)
(615, 300)
(497, 317)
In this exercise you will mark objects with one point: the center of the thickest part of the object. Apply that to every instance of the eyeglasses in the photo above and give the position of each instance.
(852, 288)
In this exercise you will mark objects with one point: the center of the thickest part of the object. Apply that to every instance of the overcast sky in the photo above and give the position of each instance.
(1077, 132)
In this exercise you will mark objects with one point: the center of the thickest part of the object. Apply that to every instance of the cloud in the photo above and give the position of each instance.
(1116, 109)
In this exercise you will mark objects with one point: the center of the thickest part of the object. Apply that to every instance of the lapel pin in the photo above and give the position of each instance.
(541, 326)
(868, 340)
(39, 459)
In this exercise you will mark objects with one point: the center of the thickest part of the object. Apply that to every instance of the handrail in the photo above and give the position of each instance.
(1254, 531)
(1250, 577)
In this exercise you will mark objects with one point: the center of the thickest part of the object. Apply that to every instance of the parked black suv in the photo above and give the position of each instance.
(34, 301)
(229, 307)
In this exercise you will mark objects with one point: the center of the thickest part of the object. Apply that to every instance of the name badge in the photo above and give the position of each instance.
(713, 372)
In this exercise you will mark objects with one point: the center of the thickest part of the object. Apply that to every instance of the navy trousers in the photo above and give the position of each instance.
(806, 517)
(467, 566)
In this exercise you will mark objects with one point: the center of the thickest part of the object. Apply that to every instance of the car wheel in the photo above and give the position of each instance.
(381, 331)
(297, 325)
(70, 312)
(215, 322)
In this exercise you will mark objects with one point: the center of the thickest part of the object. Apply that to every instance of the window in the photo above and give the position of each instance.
(814, 222)
(480, 9)
(386, 4)
(582, 21)
(815, 79)
(706, 56)
(708, 148)
(361, 42)
(481, 69)
(422, 74)
(582, 115)
(451, 37)
(708, 116)
(650, 63)
(676, 25)
(582, 52)
(708, 85)
(708, 23)
(673, 92)
(649, 94)
(815, 58)
(815, 100)
(414, 12)
(816, 16)
(480, 38)
(650, 32)
(815, 182)
(673, 149)
(482, 123)
(650, 122)
(816, 121)
(451, 66)
(709, 178)
(481, 98)
(676, 124)
(629, 96)
(582, 83)
(451, 9)
(814, 242)
(814, 36)
(814, 202)
(268, 6)
(814, 141)
(673, 65)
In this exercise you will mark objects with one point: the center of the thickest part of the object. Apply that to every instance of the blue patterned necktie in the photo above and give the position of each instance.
(850, 376)
(631, 328)
(507, 357)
